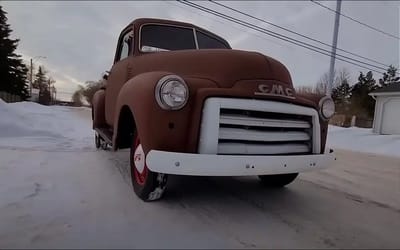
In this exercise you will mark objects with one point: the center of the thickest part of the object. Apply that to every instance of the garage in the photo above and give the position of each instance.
(387, 110)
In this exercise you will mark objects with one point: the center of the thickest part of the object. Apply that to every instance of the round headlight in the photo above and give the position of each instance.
(326, 107)
(171, 92)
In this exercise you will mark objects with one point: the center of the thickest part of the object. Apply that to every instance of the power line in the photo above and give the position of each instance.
(357, 21)
(277, 35)
(188, 8)
(293, 32)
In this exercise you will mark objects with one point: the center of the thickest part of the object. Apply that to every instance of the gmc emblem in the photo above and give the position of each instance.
(275, 90)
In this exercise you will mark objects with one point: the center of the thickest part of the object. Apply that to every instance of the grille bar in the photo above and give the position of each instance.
(262, 136)
(262, 122)
(261, 149)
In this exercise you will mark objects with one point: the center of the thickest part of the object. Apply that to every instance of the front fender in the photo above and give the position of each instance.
(158, 129)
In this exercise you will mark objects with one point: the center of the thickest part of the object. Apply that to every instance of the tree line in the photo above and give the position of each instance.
(354, 99)
(14, 74)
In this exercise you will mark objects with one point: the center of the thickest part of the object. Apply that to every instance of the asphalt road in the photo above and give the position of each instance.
(84, 199)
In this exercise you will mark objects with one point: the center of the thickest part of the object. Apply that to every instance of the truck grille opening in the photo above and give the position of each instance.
(249, 132)
(236, 126)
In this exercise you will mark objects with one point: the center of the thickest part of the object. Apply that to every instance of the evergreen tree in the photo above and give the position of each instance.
(389, 77)
(44, 95)
(341, 95)
(362, 104)
(42, 83)
(40, 79)
(12, 69)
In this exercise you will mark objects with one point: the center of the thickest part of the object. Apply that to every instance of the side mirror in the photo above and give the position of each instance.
(105, 75)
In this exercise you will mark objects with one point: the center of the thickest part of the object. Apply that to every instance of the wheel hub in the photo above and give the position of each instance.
(139, 159)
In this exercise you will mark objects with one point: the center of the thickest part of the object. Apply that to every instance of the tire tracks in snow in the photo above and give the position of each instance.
(354, 197)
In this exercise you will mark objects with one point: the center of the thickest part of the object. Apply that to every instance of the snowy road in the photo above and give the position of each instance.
(64, 193)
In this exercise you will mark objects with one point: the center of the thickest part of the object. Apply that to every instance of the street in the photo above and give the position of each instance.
(84, 199)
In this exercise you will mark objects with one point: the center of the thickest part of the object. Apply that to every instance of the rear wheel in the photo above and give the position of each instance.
(277, 180)
(147, 185)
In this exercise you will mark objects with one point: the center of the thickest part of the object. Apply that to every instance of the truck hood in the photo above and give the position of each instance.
(225, 67)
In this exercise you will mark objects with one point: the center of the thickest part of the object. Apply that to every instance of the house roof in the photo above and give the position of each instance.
(394, 87)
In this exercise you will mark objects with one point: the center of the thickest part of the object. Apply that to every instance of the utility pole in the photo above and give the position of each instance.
(49, 83)
(31, 74)
(334, 44)
(31, 79)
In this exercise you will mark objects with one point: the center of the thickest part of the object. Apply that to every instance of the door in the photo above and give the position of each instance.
(391, 116)
(118, 75)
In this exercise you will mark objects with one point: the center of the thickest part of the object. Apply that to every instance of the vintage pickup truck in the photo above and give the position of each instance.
(185, 103)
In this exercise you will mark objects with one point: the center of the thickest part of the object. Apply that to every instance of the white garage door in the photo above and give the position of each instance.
(391, 116)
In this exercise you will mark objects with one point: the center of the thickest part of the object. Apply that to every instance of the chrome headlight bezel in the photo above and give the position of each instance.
(161, 96)
(326, 107)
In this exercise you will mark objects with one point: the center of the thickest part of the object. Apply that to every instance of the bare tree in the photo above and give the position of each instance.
(77, 96)
(343, 76)
(339, 77)
(90, 89)
(305, 90)
(322, 84)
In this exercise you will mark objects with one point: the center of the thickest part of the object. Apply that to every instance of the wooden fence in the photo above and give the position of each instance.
(7, 97)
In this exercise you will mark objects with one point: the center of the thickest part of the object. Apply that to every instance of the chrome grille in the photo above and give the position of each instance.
(267, 133)
(258, 127)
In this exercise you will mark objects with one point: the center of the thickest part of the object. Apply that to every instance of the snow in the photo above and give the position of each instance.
(363, 140)
(34, 126)
(57, 190)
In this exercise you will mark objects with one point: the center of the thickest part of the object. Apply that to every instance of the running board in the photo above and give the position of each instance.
(105, 134)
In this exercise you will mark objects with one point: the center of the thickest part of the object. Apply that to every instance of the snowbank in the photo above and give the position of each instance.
(363, 140)
(14, 123)
(31, 125)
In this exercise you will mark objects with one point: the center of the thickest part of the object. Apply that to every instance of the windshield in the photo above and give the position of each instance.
(163, 38)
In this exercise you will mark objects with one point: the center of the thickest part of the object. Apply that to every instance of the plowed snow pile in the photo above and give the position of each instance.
(363, 140)
(34, 126)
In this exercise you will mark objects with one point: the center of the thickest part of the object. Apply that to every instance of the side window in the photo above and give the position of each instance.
(125, 47)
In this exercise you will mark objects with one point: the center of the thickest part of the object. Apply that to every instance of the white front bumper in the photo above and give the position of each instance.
(234, 165)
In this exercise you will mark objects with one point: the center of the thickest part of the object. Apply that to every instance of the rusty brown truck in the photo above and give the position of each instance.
(185, 103)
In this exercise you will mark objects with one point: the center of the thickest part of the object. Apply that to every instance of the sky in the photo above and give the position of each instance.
(79, 39)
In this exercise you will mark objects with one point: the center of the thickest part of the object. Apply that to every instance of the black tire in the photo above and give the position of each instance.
(97, 140)
(277, 180)
(152, 186)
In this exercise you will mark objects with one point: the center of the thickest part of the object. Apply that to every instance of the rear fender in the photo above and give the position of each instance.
(98, 109)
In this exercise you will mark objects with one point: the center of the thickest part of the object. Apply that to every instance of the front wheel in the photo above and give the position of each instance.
(277, 180)
(148, 185)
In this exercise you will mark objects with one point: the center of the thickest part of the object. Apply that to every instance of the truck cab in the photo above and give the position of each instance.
(186, 103)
